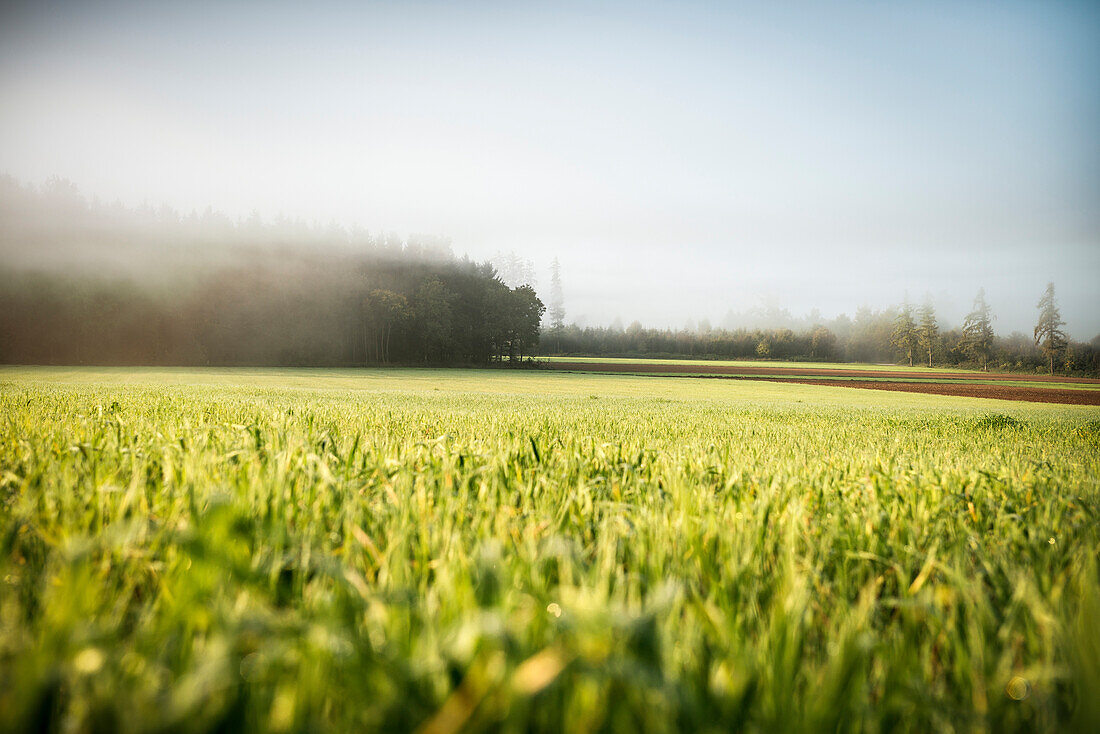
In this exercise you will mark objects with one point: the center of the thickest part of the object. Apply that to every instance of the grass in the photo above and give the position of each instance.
(300, 550)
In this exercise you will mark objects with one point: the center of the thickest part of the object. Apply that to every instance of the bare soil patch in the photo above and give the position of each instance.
(724, 369)
(887, 382)
(997, 392)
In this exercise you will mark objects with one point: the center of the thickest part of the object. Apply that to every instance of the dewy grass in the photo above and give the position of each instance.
(303, 550)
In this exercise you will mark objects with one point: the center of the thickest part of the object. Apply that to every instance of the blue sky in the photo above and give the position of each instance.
(681, 159)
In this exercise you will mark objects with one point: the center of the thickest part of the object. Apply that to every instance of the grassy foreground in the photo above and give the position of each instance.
(191, 550)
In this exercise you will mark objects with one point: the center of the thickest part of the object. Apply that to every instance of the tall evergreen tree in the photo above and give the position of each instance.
(929, 330)
(978, 331)
(905, 335)
(1049, 334)
(557, 301)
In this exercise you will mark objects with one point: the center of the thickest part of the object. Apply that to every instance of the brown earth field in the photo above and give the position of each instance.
(726, 369)
(772, 374)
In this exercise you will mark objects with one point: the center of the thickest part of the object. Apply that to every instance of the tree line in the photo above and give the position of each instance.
(920, 331)
(902, 333)
(325, 311)
(92, 284)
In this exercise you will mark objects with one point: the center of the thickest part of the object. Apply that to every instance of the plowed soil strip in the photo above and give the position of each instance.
(726, 369)
(997, 392)
(769, 374)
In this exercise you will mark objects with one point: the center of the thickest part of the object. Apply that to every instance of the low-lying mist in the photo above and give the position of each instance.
(82, 282)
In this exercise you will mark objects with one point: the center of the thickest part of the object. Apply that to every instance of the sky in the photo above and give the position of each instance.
(680, 159)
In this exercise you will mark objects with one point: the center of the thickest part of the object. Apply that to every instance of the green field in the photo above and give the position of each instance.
(347, 550)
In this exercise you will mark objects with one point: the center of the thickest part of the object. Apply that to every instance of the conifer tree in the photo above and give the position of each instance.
(905, 335)
(978, 331)
(557, 301)
(1049, 334)
(929, 330)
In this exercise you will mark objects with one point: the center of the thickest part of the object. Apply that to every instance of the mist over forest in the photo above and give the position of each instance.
(84, 282)
(87, 283)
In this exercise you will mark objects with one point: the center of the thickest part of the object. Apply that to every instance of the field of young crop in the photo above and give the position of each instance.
(443, 551)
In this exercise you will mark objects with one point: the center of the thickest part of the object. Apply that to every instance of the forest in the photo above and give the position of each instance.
(872, 336)
(83, 282)
(86, 283)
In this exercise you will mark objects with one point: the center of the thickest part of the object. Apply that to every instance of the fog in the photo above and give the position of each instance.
(684, 162)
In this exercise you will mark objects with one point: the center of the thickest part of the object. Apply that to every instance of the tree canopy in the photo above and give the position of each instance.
(978, 331)
(112, 286)
(929, 330)
(1049, 334)
(905, 335)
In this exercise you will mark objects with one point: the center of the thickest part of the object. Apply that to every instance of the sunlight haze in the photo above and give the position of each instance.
(681, 160)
